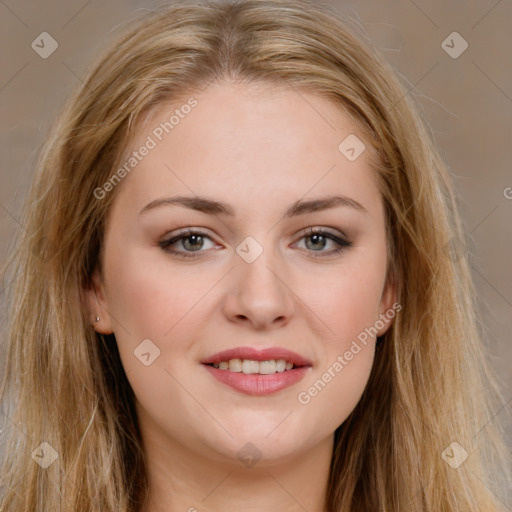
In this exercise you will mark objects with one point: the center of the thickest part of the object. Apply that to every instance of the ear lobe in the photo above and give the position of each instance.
(389, 306)
(96, 305)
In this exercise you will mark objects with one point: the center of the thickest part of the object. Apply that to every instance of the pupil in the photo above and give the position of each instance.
(196, 238)
(315, 239)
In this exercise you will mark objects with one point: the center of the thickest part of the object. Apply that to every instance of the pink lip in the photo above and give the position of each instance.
(258, 385)
(256, 354)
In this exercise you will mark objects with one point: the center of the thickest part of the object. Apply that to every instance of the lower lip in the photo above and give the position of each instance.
(258, 385)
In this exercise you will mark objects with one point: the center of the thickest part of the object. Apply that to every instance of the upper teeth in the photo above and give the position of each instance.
(249, 366)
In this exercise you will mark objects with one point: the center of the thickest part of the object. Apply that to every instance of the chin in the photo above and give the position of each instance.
(269, 445)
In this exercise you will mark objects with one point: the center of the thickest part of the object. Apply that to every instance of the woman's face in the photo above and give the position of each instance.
(255, 169)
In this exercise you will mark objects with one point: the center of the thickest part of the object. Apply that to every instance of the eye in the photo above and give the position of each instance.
(319, 239)
(192, 240)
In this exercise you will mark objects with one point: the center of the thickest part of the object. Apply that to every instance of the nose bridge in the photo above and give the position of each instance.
(258, 265)
(258, 290)
(255, 263)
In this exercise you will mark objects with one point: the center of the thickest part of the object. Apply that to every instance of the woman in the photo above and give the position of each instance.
(234, 289)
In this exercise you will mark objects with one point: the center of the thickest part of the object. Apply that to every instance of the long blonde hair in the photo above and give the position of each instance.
(63, 384)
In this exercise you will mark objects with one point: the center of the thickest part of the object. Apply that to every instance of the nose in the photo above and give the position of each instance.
(258, 294)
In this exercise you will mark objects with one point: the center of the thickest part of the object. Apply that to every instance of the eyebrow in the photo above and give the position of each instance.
(212, 207)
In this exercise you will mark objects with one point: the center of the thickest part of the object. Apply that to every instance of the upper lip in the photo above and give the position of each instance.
(258, 354)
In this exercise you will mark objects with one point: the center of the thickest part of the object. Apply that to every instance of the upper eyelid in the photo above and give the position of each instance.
(312, 230)
(188, 232)
(321, 229)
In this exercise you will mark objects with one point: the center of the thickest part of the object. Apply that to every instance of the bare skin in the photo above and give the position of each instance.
(260, 150)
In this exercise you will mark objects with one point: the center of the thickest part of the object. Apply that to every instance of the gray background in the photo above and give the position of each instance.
(467, 100)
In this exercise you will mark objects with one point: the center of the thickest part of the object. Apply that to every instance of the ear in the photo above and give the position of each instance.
(96, 305)
(388, 306)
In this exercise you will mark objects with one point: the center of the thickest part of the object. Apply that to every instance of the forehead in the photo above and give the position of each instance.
(262, 142)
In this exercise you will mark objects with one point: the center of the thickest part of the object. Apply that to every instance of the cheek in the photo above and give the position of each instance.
(147, 297)
(336, 387)
(347, 300)
(151, 299)
(349, 306)
(337, 383)
(151, 302)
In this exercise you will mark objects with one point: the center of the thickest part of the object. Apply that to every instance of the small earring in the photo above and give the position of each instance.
(97, 318)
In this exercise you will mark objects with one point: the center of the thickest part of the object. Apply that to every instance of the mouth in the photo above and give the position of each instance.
(257, 372)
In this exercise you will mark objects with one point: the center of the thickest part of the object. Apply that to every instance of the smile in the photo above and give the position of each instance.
(257, 372)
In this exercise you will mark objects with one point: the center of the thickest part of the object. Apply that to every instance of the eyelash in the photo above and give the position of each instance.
(165, 244)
